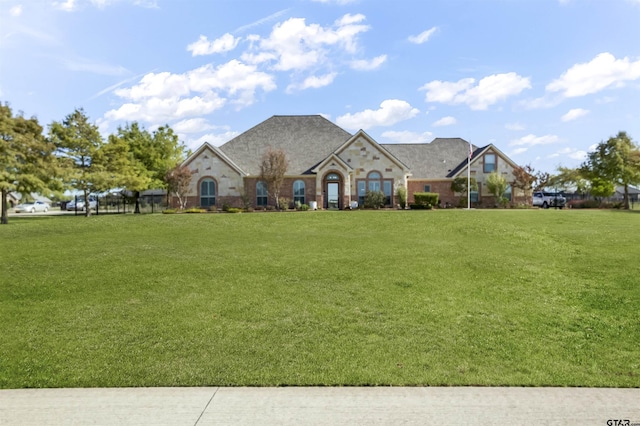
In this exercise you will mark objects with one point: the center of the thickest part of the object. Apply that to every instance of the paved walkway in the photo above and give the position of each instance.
(320, 406)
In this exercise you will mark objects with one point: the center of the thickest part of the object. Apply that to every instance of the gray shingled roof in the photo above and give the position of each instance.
(307, 140)
(433, 160)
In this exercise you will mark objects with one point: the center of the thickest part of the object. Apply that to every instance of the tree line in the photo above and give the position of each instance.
(72, 154)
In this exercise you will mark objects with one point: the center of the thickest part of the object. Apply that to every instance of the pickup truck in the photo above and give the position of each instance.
(548, 199)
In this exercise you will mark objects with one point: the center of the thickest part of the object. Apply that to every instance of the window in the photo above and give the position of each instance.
(507, 193)
(261, 194)
(207, 193)
(362, 191)
(373, 181)
(489, 163)
(427, 188)
(298, 191)
(333, 176)
(387, 184)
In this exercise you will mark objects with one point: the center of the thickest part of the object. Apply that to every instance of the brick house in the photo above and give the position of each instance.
(335, 168)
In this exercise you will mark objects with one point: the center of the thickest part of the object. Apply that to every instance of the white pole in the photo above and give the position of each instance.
(469, 178)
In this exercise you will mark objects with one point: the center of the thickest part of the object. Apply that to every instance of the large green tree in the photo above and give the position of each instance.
(568, 178)
(153, 155)
(27, 163)
(78, 143)
(617, 161)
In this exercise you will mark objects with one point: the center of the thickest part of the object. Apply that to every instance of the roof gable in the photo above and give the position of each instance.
(207, 146)
(434, 160)
(380, 148)
(306, 139)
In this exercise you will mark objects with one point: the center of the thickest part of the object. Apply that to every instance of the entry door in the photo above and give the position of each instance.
(333, 194)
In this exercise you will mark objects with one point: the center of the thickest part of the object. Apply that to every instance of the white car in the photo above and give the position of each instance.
(71, 205)
(38, 206)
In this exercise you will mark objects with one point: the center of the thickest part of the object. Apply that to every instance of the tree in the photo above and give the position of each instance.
(524, 178)
(571, 178)
(272, 170)
(602, 188)
(27, 163)
(497, 185)
(153, 156)
(78, 142)
(543, 179)
(178, 180)
(617, 160)
(459, 185)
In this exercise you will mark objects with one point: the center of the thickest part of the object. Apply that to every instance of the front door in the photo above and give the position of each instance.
(333, 195)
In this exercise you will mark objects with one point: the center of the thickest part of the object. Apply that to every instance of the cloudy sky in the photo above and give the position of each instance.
(543, 80)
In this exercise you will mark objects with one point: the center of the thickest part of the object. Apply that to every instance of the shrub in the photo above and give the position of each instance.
(233, 210)
(169, 211)
(426, 198)
(283, 203)
(420, 206)
(401, 195)
(304, 207)
(583, 204)
(270, 208)
(194, 210)
(374, 199)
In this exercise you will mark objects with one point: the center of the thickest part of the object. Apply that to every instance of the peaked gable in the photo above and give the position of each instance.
(434, 160)
(477, 154)
(207, 146)
(360, 135)
(306, 139)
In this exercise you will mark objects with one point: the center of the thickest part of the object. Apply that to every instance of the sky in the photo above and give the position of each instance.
(542, 80)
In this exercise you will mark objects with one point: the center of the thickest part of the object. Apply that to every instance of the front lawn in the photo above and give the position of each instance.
(451, 297)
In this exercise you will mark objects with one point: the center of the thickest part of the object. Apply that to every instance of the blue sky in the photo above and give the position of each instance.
(543, 80)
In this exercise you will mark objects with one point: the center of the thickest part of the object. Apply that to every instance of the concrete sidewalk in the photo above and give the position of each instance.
(320, 406)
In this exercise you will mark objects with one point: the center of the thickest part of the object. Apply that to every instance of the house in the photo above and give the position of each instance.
(334, 168)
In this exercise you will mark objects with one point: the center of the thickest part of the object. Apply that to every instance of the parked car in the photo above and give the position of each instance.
(71, 205)
(548, 199)
(37, 206)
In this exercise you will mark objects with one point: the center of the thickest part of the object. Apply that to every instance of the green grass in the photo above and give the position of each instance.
(454, 297)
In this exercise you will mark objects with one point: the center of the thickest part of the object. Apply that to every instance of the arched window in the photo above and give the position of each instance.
(261, 194)
(374, 181)
(207, 193)
(298, 191)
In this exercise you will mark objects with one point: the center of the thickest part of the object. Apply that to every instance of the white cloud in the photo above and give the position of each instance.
(364, 65)
(514, 126)
(294, 45)
(391, 111)
(67, 6)
(445, 121)
(16, 10)
(488, 91)
(313, 82)
(215, 139)
(574, 113)
(407, 136)
(574, 154)
(203, 46)
(192, 125)
(159, 97)
(601, 72)
(532, 140)
(423, 37)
